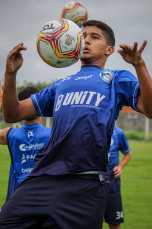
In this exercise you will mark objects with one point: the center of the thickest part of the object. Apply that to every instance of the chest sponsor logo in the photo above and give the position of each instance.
(107, 75)
(83, 77)
(27, 170)
(24, 147)
(80, 99)
(67, 78)
(27, 158)
(30, 133)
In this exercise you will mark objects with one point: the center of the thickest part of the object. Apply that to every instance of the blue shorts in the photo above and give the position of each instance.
(71, 201)
(114, 209)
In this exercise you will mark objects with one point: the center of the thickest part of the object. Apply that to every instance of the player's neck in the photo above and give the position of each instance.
(97, 63)
(36, 120)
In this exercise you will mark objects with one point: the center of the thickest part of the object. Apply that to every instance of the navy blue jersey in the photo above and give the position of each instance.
(118, 143)
(24, 143)
(84, 107)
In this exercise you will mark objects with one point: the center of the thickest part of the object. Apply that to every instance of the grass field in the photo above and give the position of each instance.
(136, 185)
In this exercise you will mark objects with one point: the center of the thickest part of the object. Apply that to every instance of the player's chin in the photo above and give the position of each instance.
(85, 59)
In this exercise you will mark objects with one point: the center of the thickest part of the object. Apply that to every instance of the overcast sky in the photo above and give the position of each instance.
(21, 20)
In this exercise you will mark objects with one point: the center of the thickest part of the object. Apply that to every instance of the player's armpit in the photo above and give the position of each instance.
(140, 105)
(27, 109)
(3, 136)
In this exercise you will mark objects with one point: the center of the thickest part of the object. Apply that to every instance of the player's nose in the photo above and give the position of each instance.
(87, 40)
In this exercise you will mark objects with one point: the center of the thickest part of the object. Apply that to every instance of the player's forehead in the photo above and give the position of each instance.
(92, 30)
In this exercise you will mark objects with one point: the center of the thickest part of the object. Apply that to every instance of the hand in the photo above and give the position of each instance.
(117, 171)
(1, 94)
(14, 59)
(131, 55)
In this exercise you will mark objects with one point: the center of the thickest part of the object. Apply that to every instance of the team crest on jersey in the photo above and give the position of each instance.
(106, 75)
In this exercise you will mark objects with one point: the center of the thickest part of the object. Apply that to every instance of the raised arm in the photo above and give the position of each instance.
(133, 56)
(13, 110)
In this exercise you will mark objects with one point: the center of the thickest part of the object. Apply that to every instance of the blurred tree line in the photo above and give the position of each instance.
(40, 85)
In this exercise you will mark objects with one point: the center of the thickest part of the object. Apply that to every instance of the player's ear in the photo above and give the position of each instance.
(109, 50)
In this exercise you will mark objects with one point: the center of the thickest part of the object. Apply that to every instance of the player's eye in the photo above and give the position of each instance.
(95, 37)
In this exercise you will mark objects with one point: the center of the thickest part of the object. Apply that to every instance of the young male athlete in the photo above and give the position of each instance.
(114, 211)
(23, 144)
(71, 180)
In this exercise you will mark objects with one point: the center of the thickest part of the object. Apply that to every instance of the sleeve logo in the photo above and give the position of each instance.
(107, 75)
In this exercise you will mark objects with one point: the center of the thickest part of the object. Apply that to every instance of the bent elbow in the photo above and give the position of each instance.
(9, 118)
(148, 113)
(149, 116)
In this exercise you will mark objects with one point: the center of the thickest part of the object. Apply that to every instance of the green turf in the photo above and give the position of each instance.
(4, 172)
(136, 185)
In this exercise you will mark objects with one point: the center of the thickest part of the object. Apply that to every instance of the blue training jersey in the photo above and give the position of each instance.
(24, 143)
(84, 107)
(118, 143)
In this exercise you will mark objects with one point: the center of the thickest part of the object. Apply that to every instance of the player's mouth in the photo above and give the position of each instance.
(86, 50)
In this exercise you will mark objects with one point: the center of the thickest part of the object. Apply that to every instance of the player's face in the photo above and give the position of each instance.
(95, 45)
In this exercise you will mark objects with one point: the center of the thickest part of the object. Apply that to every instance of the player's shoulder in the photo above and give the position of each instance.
(118, 130)
(40, 127)
(47, 129)
(109, 75)
(13, 132)
(122, 73)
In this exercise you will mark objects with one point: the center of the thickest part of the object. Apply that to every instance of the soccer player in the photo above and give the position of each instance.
(114, 211)
(71, 180)
(23, 144)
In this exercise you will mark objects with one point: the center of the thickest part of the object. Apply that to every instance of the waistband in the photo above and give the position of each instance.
(93, 175)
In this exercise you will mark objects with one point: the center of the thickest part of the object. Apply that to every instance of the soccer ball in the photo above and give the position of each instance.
(60, 43)
(75, 12)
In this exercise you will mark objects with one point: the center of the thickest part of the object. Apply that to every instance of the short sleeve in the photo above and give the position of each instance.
(44, 100)
(127, 87)
(124, 146)
(10, 138)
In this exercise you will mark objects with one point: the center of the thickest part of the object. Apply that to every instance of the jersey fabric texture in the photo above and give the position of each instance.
(24, 143)
(84, 107)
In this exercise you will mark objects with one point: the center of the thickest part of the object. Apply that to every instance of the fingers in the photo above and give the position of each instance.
(128, 49)
(14, 59)
(117, 171)
(16, 50)
(135, 46)
(19, 46)
(143, 46)
(1, 87)
(1, 91)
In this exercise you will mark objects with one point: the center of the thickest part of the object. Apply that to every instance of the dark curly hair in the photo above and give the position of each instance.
(106, 30)
(25, 93)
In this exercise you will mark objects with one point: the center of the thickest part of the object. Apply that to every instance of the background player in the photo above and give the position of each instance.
(114, 211)
(23, 144)
(71, 179)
